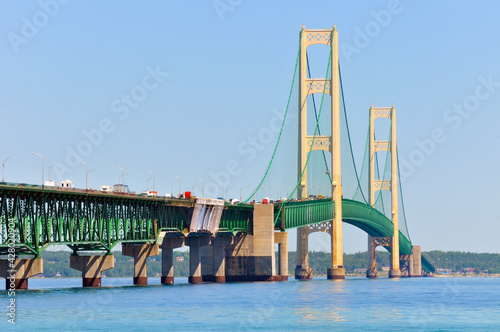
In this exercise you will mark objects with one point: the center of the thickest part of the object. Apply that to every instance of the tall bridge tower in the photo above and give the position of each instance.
(308, 86)
(382, 184)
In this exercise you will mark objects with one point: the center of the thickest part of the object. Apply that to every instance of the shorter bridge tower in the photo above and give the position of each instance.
(383, 184)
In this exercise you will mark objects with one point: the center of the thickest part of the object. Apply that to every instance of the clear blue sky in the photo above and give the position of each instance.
(206, 75)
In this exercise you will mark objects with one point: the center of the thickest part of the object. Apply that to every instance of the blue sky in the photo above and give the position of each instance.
(207, 75)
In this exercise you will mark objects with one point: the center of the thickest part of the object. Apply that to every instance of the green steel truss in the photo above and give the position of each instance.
(36, 218)
(365, 217)
(236, 218)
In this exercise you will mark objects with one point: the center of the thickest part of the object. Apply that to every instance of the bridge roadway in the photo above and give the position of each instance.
(90, 220)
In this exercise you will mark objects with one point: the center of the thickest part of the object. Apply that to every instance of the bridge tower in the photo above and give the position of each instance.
(382, 184)
(331, 143)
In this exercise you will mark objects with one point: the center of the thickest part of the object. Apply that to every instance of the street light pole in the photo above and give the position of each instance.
(123, 176)
(179, 179)
(153, 174)
(41, 157)
(278, 192)
(202, 187)
(50, 168)
(221, 183)
(90, 170)
(227, 191)
(86, 175)
(172, 188)
(241, 190)
(3, 167)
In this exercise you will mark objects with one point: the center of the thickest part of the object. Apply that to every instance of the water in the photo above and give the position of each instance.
(436, 304)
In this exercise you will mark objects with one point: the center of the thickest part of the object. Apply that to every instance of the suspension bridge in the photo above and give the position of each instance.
(235, 242)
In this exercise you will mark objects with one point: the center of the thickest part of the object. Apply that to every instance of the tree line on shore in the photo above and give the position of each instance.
(56, 263)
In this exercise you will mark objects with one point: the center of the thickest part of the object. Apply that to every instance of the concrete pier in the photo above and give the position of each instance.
(16, 276)
(281, 238)
(195, 243)
(207, 263)
(371, 271)
(336, 273)
(92, 267)
(302, 269)
(167, 260)
(219, 245)
(140, 253)
(395, 273)
(416, 262)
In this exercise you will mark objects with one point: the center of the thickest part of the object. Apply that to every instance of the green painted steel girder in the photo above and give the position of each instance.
(33, 218)
(236, 218)
(304, 213)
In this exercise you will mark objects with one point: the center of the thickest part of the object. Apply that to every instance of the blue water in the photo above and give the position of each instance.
(431, 304)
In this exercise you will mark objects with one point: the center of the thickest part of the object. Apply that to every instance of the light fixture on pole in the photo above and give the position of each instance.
(178, 179)
(41, 157)
(154, 177)
(3, 167)
(202, 187)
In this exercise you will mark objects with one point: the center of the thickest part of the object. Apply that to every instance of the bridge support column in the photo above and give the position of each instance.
(302, 269)
(335, 273)
(140, 252)
(195, 243)
(282, 239)
(16, 275)
(372, 271)
(416, 262)
(207, 263)
(92, 267)
(167, 258)
(219, 244)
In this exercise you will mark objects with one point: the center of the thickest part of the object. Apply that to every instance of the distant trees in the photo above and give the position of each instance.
(457, 261)
(56, 263)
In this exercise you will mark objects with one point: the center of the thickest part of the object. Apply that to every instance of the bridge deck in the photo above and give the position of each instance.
(92, 220)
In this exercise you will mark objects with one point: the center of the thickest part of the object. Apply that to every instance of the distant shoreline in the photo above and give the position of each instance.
(453, 275)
